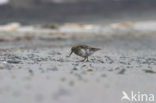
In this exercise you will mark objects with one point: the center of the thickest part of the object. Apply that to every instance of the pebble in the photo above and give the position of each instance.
(90, 70)
(61, 92)
(71, 83)
(52, 69)
(149, 71)
(122, 71)
(75, 69)
(14, 61)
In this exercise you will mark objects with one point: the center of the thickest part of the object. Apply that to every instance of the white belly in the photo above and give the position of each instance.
(86, 52)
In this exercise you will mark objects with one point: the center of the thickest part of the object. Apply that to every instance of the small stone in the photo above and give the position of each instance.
(1, 66)
(8, 67)
(100, 61)
(83, 72)
(122, 71)
(52, 69)
(109, 60)
(60, 60)
(103, 75)
(31, 71)
(149, 71)
(90, 70)
(117, 68)
(58, 53)
(39, 97)
(75, 69)
(16, 94)
(61, 92)
(63, 79)
(14, 61)
(42, 70)
(71, 83)
(83, 66)
(50, 26)
(110, 69)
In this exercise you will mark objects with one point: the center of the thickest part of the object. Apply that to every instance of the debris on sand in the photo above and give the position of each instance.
(13, 59)
(2, 66)
(11, 27)
(75, 68)
(52, 69)
(149, 71)
(90, 70)
(71, 83)
(103, 75)
(122, 71)
(31, 72)
(109, 60)
(80, 26)
(126, 24)
(49, 26)
(61, 92)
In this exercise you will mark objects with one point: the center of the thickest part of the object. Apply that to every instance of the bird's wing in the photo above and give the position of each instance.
(84, 46)
(83, 52)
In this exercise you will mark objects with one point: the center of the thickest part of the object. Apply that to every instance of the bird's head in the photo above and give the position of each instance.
(72, 50)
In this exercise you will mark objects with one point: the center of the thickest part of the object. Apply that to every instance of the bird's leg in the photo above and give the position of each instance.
(70, 54)
(87, 59)
(83, 59)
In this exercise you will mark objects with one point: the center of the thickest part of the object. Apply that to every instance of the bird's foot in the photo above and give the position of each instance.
(82, 60)
(87, 60)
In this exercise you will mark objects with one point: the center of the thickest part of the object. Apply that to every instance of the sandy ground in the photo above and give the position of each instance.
(44, 74)
(34, 67)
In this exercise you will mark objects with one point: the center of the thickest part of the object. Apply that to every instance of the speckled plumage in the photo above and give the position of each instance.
(83, 51)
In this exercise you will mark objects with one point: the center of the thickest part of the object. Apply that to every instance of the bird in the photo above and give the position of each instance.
(83, 51)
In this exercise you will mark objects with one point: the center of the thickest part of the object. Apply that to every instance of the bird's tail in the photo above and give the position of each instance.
(96, 49)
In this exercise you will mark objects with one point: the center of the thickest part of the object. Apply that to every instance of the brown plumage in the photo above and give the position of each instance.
(83, 51)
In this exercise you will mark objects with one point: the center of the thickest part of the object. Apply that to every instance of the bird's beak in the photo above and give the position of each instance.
(70, 54)
(98, 49)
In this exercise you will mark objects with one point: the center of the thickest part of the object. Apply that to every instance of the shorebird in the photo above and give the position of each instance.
(83, 51)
